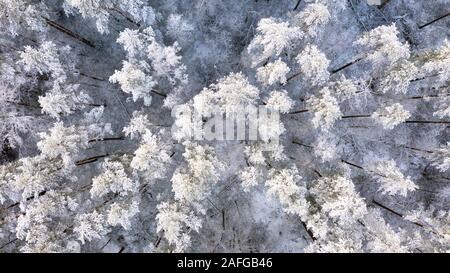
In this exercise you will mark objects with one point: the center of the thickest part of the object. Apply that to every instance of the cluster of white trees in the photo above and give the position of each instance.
(86, 178)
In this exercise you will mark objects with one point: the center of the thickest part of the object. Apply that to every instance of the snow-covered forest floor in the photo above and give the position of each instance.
(93, 158)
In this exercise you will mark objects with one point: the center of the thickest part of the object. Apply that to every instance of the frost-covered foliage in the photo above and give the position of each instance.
(391, 115)
(280, 101)
(272, 38)
(325, 109)
(384, 47)
(313, 65)
(100, 11)
(391, 180)
(273, 72)
(312, 18)
(44, 60)
(17, 15)
(106, 109)
(149, 62)
(283, 184)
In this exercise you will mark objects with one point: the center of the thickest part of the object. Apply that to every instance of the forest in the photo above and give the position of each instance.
(112, 118)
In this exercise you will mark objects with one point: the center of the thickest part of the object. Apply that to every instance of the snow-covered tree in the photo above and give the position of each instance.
(192, 182)
(122, 214)
(384, 46)
(64, 142)
(90, 226)
(231, 93)
(325, 108)
(151, 157)
(273, 72)
(391, 115)
(272, 37)
(149, 63)
(176, 221)
(134, 80)
(382, 237)
(100, 11)
(47, 59)
(313, 65)
(312, 18)
(338, 199)
(34, 175)
(435, 224)
(113, 179)
(18, 15)
(442, 105)
(58, 102)
(436, 61)
(325, 148)
(344, 88)
(398, 78)
(287, 186)
(250, 177)
(391, 180)
(280, 101)
(178, 28)
(441, 158)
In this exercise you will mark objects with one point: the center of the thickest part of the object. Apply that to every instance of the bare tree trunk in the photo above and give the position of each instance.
(346, 65)
(91, 77)
(428, 121)
(106, 139)
(89, 160)
(296, 5)
(68, 32)
(158, 93)
(301, 144)
(435, 20)
(293, 77)
(299, 111)
(356, 116)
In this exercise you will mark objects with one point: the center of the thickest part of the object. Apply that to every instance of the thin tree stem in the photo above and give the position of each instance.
(435, 20)
(158, 93)
(301, 144)
(91, 77)
(428, 121)
(293, 76)
(68, 32)
(351, 164)
(346, 65)
(356, 116)
(296, 5)
(299, 111)
(106, 139)
(90, 159)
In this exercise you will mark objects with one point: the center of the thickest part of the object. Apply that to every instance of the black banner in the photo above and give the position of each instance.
(274, 262)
